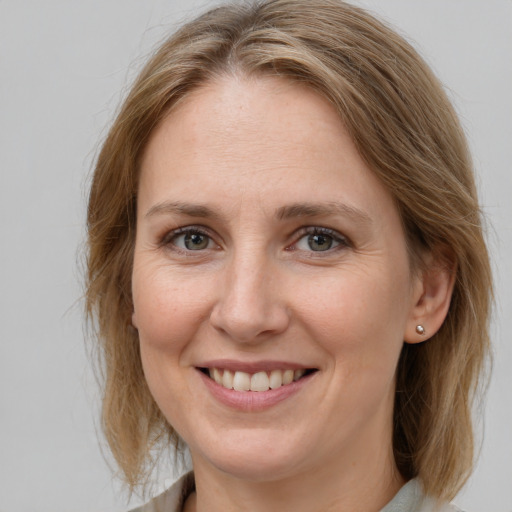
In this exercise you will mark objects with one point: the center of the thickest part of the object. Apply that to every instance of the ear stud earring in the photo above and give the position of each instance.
(420, 329)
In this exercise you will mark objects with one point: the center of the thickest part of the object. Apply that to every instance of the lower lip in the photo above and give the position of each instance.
(253, 401)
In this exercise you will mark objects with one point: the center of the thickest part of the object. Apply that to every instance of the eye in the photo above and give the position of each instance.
(320, 240)
(189, 239)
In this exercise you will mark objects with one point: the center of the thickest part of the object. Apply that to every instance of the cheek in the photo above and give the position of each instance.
(168, 312)
(167, 309)
(358, 313)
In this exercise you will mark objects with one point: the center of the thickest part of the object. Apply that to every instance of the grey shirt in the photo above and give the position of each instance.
(410, 498)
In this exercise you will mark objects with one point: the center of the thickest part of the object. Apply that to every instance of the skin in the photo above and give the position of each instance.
(257, 291)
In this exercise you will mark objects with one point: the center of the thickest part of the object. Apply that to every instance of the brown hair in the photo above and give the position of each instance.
(406, 130)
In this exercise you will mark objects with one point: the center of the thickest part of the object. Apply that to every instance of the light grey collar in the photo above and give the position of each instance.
(410, 498)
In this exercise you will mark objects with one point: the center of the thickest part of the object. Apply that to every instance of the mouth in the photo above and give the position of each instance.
(257, 382)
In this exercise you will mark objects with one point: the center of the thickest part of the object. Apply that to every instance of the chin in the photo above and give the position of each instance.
(251, 456)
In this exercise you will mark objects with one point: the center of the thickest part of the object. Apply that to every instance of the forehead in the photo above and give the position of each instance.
(265, 139)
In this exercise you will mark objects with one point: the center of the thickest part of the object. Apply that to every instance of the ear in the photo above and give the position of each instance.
(134, 320)
(432, 294)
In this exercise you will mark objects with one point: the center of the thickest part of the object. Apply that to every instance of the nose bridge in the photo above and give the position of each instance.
(247, 284)
(249, 305)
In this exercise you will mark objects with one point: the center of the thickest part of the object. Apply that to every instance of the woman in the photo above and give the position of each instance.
(287, 267)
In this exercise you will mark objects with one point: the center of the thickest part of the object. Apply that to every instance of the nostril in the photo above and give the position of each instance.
(248, 315)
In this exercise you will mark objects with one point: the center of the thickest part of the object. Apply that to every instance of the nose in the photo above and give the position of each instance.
(250, 306)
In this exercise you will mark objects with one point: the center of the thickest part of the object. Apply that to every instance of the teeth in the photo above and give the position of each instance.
(241, 381)
(297, 374)
(287, 377)
(217, 376)
(260, 381)
(276, 379)
(227, 379)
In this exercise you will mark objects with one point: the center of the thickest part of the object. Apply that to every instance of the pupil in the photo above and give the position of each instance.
(195, 241)
(320, 242)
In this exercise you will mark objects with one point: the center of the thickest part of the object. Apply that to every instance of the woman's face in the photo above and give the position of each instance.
(267, 251)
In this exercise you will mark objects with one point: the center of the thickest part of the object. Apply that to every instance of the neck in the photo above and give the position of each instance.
(363, 484)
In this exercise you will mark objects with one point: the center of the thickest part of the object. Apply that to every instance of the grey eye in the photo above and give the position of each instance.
(192, 241)
(320, 242)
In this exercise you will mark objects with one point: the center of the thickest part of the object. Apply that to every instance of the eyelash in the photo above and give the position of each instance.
(309, 231)
(342, 242)
(169, 239)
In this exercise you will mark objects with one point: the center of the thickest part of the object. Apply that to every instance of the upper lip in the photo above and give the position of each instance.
(253, 366)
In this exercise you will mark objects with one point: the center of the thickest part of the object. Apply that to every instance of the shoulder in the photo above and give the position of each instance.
(411, 498)
(443, 507)
(173, 498)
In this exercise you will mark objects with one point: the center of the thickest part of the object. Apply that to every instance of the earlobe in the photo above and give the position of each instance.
(134, 320)
(420, 330)
(431, 300)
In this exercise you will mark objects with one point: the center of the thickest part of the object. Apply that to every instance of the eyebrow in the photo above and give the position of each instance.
(189, 209)
(322, 209)
(291, 211)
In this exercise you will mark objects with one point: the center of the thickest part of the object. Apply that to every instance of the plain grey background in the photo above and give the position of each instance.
(64, 65)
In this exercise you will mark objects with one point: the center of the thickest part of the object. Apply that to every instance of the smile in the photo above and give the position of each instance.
(259, 381)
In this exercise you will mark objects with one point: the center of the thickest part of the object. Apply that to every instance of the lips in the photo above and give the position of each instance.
(251, 387)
